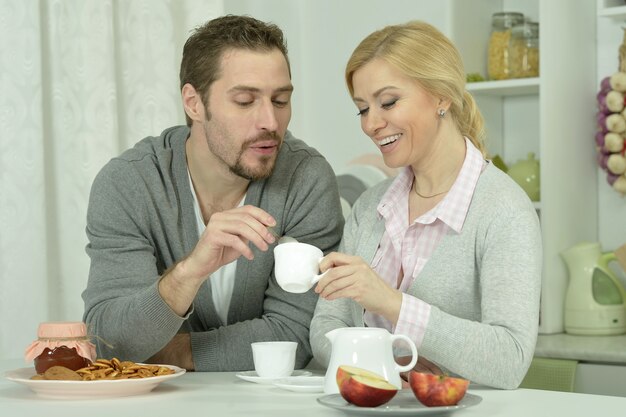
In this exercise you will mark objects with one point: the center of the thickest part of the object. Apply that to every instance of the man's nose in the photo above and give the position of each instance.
(266, 118)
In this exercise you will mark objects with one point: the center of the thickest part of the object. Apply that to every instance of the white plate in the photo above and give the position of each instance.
(301, 383)
(404, 403)
(251, 376)
(71, 390)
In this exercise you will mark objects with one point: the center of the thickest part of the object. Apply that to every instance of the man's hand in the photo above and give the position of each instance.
(226, 238)
(177, 352)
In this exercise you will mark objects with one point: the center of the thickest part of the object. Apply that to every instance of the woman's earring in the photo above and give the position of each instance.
(442, 113)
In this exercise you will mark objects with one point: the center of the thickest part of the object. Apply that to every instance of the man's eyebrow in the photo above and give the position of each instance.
(249, 89)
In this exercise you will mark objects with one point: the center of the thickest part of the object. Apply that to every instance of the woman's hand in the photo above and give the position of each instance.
(351, 277)
(423, 365)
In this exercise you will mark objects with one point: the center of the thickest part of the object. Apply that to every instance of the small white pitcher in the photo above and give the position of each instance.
(369, 348)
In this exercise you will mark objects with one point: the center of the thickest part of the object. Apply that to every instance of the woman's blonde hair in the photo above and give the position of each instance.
(425, 54)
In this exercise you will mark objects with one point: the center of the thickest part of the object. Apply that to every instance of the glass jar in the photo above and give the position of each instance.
(60, 356)
(524, 50)
(498, 62)
(61, 343)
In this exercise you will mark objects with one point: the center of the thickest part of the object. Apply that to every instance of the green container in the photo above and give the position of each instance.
(526, 173)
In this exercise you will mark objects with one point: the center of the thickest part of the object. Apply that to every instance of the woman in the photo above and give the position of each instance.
(448, 252)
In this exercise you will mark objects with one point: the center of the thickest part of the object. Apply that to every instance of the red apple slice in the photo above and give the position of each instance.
(344, 372)
(364, 388)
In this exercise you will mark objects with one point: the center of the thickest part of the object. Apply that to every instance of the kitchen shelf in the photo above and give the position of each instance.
(612, 8)
(537, 114)
(614, 12)
(598, 349)
(515, 87)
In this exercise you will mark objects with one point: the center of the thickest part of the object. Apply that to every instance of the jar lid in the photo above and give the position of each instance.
(62, 329)
(507, 19)
(526, 29)
(508, 14)
(72, 334)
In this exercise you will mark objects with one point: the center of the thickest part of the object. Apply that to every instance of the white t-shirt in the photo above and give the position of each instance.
(222, 280)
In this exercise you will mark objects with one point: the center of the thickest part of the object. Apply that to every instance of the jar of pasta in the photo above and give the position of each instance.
(524, 50)
(498, 61)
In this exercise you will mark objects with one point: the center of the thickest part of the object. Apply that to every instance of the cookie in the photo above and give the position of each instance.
(61, 373)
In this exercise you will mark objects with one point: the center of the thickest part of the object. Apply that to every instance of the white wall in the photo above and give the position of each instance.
(321, 35)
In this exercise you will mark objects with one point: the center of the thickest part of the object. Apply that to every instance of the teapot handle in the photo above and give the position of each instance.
(605, 258)
(410, 366)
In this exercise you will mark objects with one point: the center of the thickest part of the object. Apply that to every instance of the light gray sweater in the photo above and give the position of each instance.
(483, 284)
(141, 221)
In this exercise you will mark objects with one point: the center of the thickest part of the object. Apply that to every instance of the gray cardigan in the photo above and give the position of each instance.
(141, 221)
(483, 284)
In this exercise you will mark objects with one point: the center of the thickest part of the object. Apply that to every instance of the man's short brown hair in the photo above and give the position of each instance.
(205, 48)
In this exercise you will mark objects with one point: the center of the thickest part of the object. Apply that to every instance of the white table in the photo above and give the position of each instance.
(223, 394)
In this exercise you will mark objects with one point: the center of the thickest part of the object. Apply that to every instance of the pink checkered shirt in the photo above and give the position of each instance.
(410, 246)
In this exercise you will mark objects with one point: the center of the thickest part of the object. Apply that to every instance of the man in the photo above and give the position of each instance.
(181, 254)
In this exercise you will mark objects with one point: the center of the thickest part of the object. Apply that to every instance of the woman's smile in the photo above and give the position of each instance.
(389, 139)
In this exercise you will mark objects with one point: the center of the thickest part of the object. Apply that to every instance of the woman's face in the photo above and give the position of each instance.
(396, 113)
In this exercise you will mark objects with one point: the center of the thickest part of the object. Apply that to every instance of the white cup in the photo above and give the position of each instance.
(296, 266)
(274, 359)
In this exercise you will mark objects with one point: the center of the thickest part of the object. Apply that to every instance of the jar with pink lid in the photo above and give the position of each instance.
(61, 343)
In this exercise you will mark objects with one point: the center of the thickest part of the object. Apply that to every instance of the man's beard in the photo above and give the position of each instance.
(266, 163)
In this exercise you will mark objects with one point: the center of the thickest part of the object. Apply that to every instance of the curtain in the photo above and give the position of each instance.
(80, 81)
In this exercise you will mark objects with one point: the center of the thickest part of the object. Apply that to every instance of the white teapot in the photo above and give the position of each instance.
(369, 348)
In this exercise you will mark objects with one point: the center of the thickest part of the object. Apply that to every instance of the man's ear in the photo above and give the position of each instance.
(192, 103)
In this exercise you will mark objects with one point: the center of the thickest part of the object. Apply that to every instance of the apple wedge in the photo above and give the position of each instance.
(437, 390)
(344, 372)
(364, 388)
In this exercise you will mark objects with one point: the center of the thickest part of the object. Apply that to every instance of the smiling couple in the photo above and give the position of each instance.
(447, 253)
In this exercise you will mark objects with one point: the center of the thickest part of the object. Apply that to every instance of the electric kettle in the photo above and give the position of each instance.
(368, 348)
(594, 301)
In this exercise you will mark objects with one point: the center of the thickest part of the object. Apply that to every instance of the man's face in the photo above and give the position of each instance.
(249, 108)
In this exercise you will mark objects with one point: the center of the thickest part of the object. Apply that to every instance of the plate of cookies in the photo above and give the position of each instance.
(102, 379)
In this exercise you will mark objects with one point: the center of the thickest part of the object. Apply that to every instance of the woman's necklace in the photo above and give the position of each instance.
(429, 196)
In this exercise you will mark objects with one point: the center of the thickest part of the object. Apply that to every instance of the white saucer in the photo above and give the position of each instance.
(252, 376)
(301, 383)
